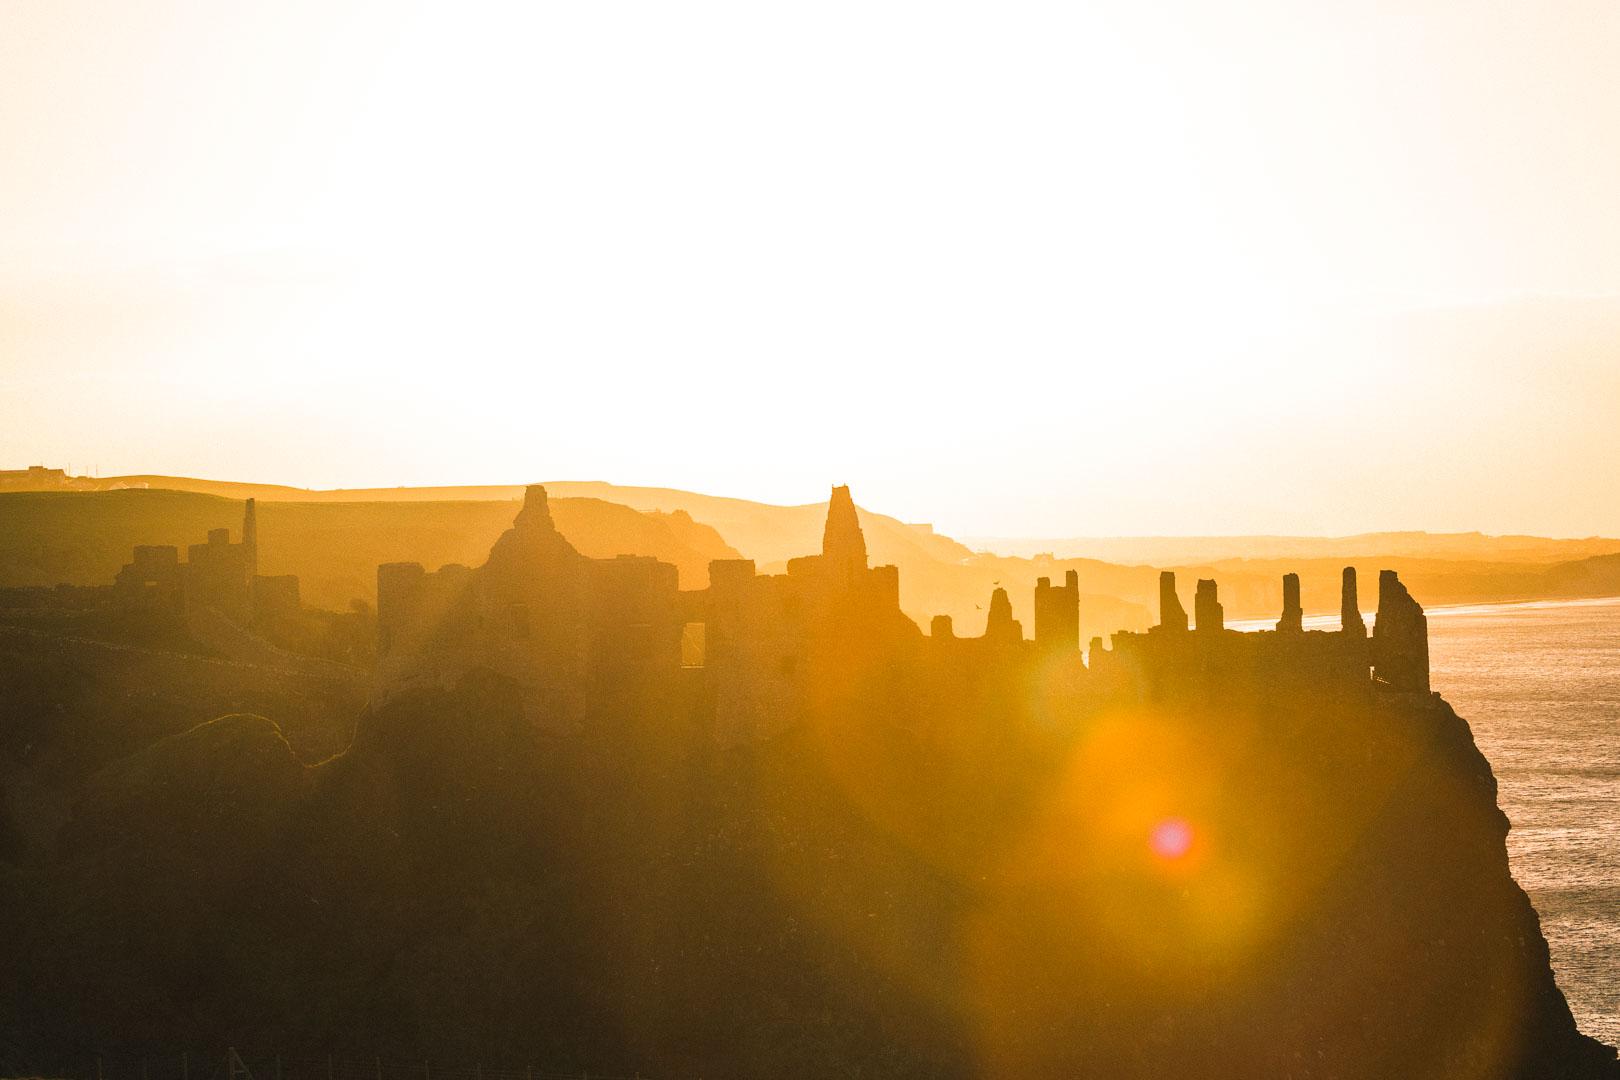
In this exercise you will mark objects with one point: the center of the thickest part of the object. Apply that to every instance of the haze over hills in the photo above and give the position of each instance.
(1174, 550)
(772, 534)
(334, 539)
(47, 538)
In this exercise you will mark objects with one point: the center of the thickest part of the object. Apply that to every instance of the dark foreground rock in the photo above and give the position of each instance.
(1316, 890)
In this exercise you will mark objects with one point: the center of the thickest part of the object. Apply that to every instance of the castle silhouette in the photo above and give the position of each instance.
(758, 652)
(218, 575)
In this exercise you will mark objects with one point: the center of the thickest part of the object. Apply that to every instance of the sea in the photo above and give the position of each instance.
(1539, 683)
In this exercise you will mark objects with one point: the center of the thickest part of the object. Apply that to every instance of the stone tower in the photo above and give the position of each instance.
(1208, 613)
(250, 537)
(999, 625)
(1400, 645)
(1350, 620)
(1293, 616)
(1057, 614)
(843, 546)
(1172, 616)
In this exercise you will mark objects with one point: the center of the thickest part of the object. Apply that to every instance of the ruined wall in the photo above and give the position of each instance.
(152, 580)
(1172, 616)
(1293, 615)
(1208, 614)
(1057, 614)
(579, 634)
(576, 634)
(1400, 645)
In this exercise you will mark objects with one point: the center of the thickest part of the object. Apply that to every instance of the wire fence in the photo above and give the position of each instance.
(231, 1065)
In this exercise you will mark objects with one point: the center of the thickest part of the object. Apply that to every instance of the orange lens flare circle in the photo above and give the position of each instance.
(1171, 839)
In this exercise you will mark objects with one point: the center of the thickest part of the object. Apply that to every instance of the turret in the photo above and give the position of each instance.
(250, 537)
(1293, 616)
(1000, 626)
(1400, 645)
(1172, 616)
(1057, 614)
(536, 509)
(1207, 611)
(1350, 621)
(843, 545)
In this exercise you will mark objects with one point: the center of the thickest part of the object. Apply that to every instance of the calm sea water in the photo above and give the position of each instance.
(1540, 685)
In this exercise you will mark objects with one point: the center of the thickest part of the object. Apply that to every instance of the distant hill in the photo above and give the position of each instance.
(766, 533)
(1183, 550)
(334, 539)
(334, 547)
(82, 538)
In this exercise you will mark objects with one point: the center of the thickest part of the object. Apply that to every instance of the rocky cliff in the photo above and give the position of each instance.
(1320, 890)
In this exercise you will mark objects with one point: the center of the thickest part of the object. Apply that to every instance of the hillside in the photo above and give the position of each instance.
(334, 546)
(1187, 550)
(772, 534)
(766, 533)
(48, 538)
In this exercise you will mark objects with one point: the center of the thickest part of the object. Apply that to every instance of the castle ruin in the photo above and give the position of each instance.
(577, 634)
(217, 575)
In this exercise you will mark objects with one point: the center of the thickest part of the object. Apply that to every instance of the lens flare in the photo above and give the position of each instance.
(1171, 839)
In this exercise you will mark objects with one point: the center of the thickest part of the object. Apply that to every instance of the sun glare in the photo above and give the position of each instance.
(1171, 839)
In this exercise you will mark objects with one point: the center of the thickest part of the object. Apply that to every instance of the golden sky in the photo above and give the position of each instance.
(1020, 269)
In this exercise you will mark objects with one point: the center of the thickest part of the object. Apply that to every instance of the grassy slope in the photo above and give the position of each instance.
(334, 548)
(334, 545)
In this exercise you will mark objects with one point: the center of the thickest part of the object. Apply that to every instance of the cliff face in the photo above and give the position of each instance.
(1321, 890)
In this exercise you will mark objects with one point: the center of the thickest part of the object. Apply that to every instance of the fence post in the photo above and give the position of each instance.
(379, 1068)
(328, 1067)
(427, 1074)
(98, 1067)
(278, 1067)
(185, 1066)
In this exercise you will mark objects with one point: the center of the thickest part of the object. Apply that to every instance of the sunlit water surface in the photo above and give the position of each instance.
(1540, 685)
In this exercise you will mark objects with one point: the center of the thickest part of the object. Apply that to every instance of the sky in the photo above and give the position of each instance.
(1025, 269)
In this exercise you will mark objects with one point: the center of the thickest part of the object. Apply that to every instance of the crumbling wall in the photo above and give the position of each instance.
(1057, 615)
(1400, 645)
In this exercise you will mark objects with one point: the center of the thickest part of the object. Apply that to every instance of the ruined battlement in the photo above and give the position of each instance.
(568, 629)
(218, 575)
(1057, 614)
(762, 649)
(1213, 662)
